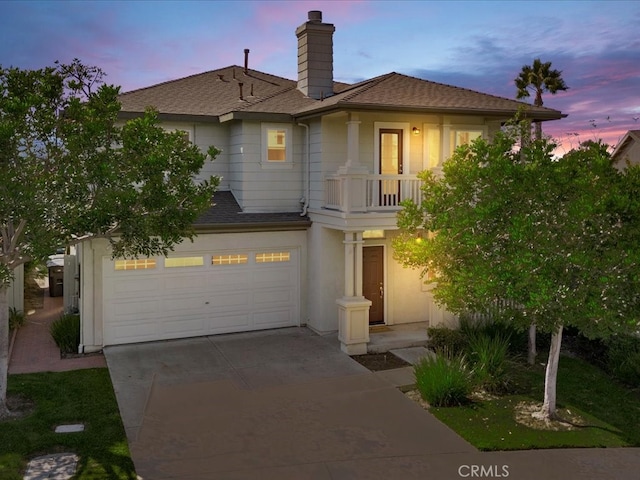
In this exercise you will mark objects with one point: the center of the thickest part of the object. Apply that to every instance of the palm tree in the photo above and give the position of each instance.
(539, 78)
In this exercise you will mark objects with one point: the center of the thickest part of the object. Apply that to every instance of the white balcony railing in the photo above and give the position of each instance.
(370, 193)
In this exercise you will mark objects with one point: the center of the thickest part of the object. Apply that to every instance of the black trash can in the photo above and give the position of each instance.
(56, 281)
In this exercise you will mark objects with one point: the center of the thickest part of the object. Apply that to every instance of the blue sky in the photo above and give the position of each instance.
(474, 44)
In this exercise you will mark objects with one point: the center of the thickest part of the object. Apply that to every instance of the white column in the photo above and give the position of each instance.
(353, 141)
(359, 243)
(349, 253)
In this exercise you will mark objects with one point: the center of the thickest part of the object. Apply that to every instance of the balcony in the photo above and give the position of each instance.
(357, 193)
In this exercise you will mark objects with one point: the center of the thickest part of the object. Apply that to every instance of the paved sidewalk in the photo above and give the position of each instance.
(34, 349)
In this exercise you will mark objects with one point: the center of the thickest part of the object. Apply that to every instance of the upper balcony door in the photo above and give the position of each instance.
(391, 154)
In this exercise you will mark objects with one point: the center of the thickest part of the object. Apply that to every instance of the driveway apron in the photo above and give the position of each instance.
(288, 404)
(276, 404)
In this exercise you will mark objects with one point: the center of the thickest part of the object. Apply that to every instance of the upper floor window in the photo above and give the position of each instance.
(464, 137)
(276, 145)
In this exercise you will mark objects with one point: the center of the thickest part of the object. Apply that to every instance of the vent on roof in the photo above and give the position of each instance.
(246, 61)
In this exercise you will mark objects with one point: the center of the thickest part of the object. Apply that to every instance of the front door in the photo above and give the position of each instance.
(373, 282)
(390, 164)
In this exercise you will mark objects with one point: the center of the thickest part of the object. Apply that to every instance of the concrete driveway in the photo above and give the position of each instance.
(288, 404)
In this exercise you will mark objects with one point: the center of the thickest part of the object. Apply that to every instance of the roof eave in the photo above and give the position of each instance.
(256, 116)
(175, 117)
(252, 227)
(542, 116)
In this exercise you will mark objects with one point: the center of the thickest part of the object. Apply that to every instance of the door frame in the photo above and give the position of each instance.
(385, 303)
(406, 144)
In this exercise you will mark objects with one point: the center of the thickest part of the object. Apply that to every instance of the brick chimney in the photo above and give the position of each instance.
(315, 57)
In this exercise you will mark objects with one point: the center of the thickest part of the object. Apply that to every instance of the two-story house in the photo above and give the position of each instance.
(300, 234)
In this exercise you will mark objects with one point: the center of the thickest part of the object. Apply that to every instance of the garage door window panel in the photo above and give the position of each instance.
(177, 262)
(273, 257)
(232, 259)
(135, 264)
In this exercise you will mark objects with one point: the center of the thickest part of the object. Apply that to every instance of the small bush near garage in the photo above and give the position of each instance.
(443, 338)
(66, 333)
(444, 379)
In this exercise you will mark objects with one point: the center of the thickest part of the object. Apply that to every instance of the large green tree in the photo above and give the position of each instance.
(70, 171)
(524, 238)
(538, 78)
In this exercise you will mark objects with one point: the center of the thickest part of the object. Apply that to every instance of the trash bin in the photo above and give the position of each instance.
(56, 281)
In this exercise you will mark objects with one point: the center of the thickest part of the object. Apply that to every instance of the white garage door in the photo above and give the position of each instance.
(199, 294)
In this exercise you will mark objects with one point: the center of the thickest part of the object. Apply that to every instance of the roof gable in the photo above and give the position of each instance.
(402, 92)
(632, 136)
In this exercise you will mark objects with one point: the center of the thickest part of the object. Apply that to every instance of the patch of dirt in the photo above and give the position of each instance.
(380, 361)
(19, 407)
(65, 356)
(416, 397)
(528, 414)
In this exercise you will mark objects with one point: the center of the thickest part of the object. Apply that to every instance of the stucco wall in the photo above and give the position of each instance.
(326, 277)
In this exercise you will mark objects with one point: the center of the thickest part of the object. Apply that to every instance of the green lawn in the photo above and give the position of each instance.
(611, 412)
(82, 396)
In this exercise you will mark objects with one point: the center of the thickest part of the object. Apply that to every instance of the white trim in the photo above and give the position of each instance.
(406, 144)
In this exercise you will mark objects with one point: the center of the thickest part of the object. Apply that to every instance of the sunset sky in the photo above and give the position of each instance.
(480, 45)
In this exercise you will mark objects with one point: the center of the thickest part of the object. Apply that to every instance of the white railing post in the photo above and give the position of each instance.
(357, 191)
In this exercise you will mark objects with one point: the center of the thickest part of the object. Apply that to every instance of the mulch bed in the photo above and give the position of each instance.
(380, 361)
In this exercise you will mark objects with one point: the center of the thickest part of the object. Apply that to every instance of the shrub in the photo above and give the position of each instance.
(16, 318)
(517, 339)
(488, 356)
(66, 333)
(443, 379)
(623, 360)
(443, 338)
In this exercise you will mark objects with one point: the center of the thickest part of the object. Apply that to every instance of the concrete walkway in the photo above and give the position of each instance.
(288, 404)
(34, 349)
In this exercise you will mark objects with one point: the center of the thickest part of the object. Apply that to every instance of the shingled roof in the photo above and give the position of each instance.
(225, 215)
(216, 96)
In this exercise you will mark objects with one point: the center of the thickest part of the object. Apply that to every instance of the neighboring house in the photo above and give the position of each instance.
(300, 234)
(628, 150)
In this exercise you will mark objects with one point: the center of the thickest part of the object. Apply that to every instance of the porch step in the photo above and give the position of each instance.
(398, 337)
(412, 355)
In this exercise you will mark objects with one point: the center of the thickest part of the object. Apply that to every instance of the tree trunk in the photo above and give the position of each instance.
(4, 349)
(550, 379)
(538, 126)
(531, 351)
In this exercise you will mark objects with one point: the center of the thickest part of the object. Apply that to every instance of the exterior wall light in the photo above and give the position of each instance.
(416, 131)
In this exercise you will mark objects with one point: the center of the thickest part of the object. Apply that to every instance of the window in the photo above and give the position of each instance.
(373, 234)
(463, 137)
(232, 259)
(136, 264)
(183, 262)
(432, 146)
(272, 257)
(276, 146)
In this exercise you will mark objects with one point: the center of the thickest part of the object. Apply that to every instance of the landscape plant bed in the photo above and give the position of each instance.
(51, 399)
(380, 361)
(597, 411)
